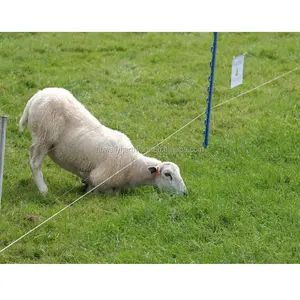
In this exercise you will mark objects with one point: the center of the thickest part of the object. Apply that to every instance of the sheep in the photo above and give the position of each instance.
(62, 128)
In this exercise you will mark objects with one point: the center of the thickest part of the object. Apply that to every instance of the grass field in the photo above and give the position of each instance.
(243, 204)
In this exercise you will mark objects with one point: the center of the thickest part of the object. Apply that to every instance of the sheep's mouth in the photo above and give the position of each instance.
(184, 193)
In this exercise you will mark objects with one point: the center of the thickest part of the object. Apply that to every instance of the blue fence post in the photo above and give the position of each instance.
(210, 89)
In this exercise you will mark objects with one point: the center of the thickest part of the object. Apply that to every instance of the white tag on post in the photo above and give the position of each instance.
(237, 71)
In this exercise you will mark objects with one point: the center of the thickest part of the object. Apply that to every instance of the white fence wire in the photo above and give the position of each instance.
(155, 146)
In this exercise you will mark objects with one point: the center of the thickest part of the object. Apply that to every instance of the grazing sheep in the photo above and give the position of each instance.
(62, 128)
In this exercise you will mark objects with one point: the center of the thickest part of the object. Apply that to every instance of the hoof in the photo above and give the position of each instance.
(44, 191)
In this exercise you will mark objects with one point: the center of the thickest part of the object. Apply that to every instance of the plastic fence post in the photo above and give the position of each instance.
(210, 89)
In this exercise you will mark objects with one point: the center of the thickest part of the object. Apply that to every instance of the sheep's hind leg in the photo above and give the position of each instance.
(37, 155)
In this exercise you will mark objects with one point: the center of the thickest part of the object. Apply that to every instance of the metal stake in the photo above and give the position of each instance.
(2, 150)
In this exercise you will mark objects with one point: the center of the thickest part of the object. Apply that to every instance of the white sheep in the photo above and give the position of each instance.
(62, 128)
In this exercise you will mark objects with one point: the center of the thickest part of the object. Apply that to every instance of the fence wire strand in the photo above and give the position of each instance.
(167, 138)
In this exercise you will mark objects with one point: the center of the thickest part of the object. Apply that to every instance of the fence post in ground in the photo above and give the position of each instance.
(2, 150)
(210, 89)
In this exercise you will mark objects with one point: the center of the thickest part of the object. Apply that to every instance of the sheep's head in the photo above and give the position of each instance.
(167, 177)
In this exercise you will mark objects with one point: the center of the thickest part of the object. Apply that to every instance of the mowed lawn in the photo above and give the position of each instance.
(244, 189)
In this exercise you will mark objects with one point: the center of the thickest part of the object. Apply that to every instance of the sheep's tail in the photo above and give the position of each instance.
(24, 118)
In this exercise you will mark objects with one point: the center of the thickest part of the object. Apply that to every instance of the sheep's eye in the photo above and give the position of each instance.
(168, 175)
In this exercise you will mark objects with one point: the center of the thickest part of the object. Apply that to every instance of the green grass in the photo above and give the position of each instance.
(243, 204)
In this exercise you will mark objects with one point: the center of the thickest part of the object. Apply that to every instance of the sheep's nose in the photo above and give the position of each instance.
(185, 193)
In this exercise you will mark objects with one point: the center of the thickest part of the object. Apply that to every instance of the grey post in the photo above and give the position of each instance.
(2, 149)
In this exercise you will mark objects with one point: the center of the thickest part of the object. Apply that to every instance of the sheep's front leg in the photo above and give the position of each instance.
(83, 175)
(101, 181)
(96, 191)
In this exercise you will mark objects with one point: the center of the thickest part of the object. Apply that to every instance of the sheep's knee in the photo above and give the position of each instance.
(91, 189)
(103, 190)
(100, 181)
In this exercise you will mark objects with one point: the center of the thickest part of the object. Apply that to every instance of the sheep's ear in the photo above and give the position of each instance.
(152, 169)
